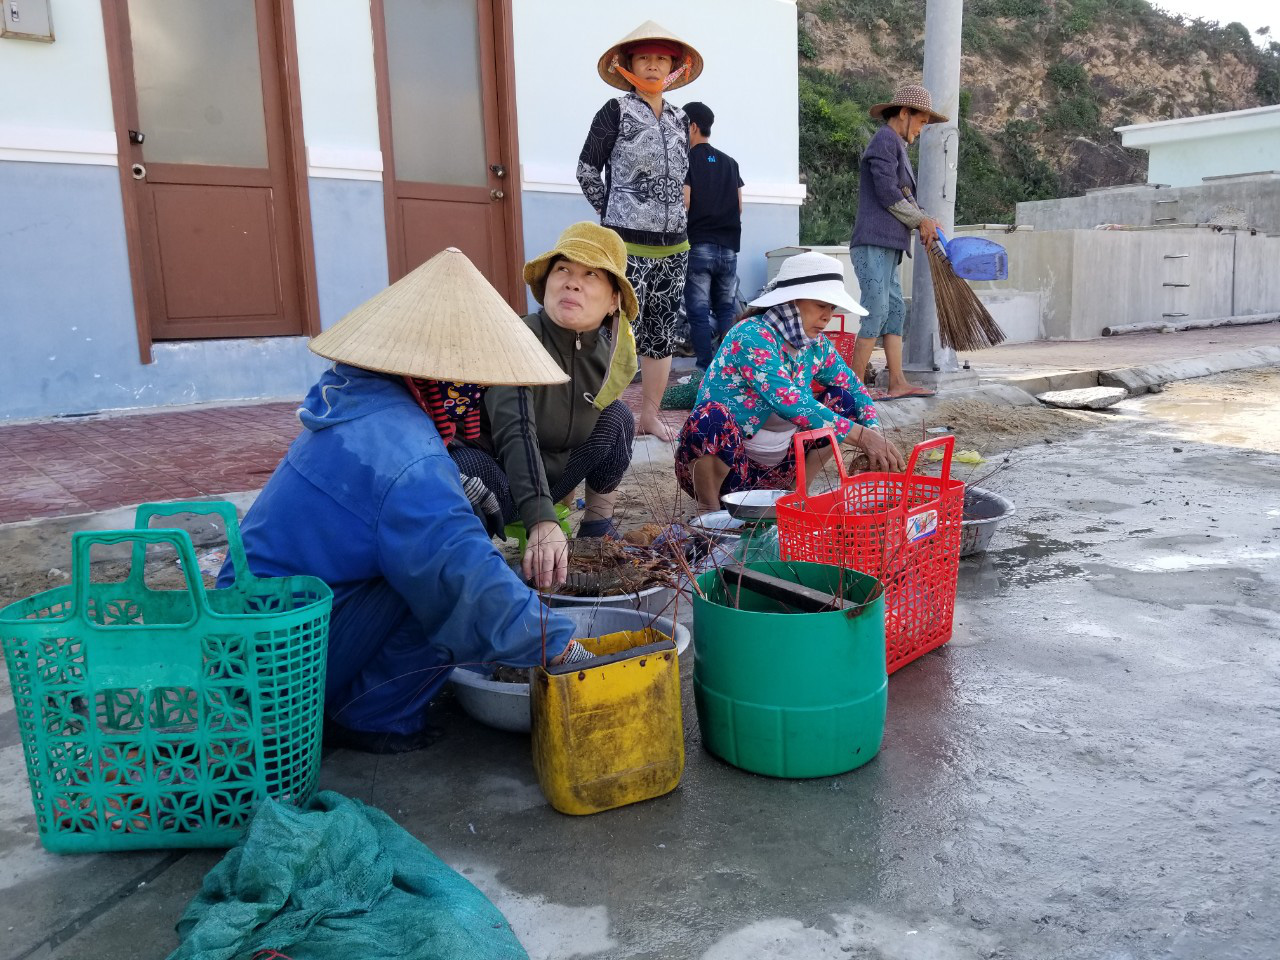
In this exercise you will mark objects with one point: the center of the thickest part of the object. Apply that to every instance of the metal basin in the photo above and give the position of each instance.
(753, 504)
(506, 705)
(983, 513)
(654, 601)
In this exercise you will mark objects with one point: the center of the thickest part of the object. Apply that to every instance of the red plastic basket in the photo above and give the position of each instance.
(902, 528)
(844, 342)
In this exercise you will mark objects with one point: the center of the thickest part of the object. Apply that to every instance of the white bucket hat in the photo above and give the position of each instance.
(810, 276)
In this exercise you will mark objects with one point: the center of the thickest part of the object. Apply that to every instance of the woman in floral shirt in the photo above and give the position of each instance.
(759, 391)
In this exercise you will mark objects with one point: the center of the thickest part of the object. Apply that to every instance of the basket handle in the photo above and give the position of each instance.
(947, 443)
(797, 442)
(219, 508)
(81, 547)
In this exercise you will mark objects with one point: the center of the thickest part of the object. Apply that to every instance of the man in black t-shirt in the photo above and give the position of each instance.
(713, 197)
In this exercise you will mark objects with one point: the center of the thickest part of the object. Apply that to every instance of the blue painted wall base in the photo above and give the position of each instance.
(66, 303)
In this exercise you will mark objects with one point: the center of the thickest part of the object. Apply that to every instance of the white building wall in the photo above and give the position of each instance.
(56, 104)
(1185, 151)
(339, 93)
(750, 81)
(65, 294)
(1187, 163)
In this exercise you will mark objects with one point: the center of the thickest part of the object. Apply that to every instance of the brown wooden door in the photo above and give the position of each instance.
(205, 130)
(446, 108)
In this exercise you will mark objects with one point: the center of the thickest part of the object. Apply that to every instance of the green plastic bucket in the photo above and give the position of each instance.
(790, 694)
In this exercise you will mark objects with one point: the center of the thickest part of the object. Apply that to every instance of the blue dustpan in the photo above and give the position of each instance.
(976, 258)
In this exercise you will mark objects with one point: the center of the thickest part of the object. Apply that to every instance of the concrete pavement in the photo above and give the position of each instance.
(1086, 770)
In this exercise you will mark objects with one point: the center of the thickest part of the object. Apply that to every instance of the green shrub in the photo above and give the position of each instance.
(805, 46)
(1267, 85)
(1078, 114)
(1068, 77)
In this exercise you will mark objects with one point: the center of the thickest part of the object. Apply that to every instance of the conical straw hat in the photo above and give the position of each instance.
(649, 30)
(443, 321)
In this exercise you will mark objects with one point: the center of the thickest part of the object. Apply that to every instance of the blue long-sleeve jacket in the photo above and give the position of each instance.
(368, 492)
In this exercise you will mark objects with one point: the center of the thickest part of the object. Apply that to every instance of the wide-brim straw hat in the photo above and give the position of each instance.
(443, 321)
(591, 245)
(649, 30)
(810, 276)
(909, 95)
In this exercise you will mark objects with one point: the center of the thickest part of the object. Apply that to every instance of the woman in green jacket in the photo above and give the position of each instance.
(537, 445)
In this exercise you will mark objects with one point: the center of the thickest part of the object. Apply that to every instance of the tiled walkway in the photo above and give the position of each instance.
(63, 467)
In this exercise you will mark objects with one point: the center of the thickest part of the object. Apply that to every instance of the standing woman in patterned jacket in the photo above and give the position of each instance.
(632, 169)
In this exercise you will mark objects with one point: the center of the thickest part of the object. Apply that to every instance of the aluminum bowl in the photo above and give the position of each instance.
(653, 601)
(717, 525)
(983, 513)
(506, 705)
(753, 504)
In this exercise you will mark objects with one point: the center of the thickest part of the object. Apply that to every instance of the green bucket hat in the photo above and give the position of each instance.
(595, 246)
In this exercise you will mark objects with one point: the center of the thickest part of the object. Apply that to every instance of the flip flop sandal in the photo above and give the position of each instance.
(916, 392)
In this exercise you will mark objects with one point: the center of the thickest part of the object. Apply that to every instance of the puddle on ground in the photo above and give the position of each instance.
(1096, 506)
(998, 571)
(1235, 422)
(1222, 586)
(1235, 410)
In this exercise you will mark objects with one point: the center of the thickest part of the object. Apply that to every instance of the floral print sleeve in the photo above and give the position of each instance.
(832, 371)
(753, 377)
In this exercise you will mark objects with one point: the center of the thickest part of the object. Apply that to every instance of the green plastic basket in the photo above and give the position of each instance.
(162, 718)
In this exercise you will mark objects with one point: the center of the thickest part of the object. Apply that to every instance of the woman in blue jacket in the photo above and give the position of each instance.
(368, 500)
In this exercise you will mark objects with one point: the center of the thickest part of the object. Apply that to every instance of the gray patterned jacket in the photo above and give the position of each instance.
(632, 169)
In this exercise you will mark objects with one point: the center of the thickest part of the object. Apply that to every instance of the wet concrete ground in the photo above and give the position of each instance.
(1088, 770)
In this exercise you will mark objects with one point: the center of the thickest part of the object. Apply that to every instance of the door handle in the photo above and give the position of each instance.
(139, 171)
(496, 194)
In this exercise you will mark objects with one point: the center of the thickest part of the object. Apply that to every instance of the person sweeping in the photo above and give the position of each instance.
(887, 215)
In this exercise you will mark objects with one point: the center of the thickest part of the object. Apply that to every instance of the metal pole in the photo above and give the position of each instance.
(936, 179)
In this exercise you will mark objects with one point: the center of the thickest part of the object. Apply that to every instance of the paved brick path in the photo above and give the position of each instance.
(62, 467)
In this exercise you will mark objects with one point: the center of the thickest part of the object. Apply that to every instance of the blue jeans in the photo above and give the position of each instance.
(711, 284)
(880, 290)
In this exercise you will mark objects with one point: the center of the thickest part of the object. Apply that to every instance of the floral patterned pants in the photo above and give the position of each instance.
(712, 431)
(659, 285)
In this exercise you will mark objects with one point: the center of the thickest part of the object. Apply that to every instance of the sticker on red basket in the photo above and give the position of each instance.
(922, 526)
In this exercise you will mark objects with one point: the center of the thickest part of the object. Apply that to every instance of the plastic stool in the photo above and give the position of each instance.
(517, 531)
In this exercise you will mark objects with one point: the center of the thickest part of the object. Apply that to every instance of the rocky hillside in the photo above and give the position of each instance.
(1043, 82)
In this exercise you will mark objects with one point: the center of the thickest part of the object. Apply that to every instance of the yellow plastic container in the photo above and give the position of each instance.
(608, 732)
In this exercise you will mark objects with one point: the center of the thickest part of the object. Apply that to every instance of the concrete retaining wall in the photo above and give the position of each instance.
(1257, 275)
(1256, 196)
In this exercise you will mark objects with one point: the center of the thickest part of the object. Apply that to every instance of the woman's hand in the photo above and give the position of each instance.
(882, 455)
(546, 556)
(929, 232)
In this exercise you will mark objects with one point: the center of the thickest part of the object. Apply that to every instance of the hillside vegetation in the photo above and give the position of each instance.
(1043, 82)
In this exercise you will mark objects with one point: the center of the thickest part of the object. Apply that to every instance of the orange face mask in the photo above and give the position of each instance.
(650, 86)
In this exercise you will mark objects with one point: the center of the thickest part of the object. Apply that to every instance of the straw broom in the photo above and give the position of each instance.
(963, 321)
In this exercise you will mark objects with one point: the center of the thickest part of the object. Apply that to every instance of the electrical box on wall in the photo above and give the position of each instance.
(26, 20)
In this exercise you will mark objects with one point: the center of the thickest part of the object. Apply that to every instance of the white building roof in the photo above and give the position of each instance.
(1253, 120)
